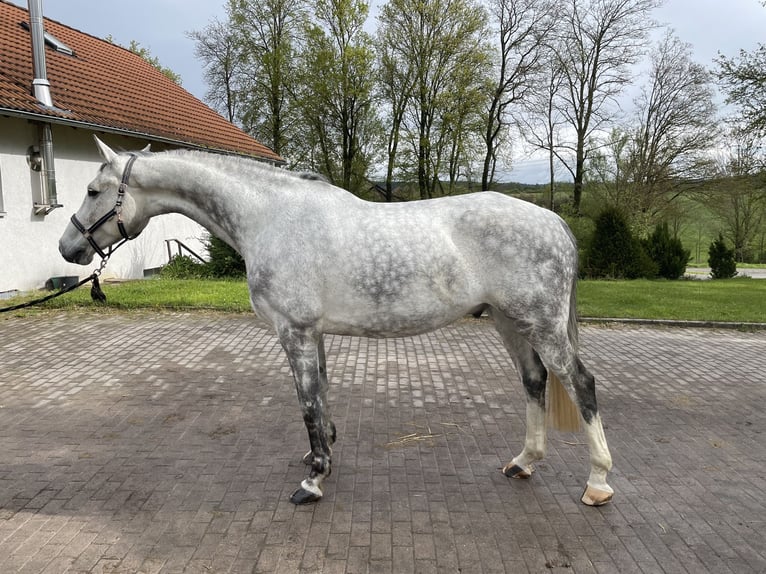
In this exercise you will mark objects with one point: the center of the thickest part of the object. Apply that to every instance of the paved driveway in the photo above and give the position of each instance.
(704, 273)
(171, 442)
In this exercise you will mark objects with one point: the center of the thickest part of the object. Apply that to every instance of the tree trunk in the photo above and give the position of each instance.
(579, 175)
(488, 170)
(423, 156)
(552, 176)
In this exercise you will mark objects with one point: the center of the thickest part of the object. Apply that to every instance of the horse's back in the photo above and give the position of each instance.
(482, 233)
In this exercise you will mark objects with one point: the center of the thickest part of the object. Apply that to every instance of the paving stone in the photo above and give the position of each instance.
(170, 442)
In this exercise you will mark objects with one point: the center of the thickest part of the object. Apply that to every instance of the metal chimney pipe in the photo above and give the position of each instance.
(48, 171)
(40, 83)
(42, 92)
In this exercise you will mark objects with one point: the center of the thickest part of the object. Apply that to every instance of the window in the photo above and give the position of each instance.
(57, 44)
(52, 41)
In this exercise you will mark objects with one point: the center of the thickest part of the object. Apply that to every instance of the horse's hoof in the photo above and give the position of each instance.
(303, 496)
(595, 496)
(512, 470)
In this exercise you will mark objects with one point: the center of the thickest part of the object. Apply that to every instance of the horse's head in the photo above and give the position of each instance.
(110, 212)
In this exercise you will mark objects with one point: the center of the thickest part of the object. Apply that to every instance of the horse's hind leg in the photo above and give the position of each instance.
(533, 376)
(305, 351)
(562, 359)
(597, 491)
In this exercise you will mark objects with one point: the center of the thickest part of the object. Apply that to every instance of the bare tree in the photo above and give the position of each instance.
(522, 28)
(217, 47)
(676, 126)
(541, 121)
(594, 51)
(738, 195)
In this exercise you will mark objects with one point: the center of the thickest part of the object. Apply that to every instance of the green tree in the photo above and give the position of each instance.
(440, 44)
(268, 36)
(146, 54)
(743, 78)
(337, 90)
(396, 72)
(223, 260)
(458, 123)
(608, 174)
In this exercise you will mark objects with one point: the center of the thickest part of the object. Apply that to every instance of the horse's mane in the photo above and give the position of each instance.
(242, 165)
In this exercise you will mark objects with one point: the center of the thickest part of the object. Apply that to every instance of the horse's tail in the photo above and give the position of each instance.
(562, 412)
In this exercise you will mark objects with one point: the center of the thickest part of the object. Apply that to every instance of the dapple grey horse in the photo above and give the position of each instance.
(320, 260)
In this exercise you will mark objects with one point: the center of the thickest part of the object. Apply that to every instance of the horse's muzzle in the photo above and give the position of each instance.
(74, 253)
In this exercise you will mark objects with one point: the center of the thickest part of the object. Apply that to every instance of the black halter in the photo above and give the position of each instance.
(115, 211)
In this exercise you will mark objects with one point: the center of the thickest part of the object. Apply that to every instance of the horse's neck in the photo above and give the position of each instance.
(204, 194)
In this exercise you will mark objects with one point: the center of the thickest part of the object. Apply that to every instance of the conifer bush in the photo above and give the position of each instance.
(721, 260)
(223, 260)
(614, 251)
(667, 252)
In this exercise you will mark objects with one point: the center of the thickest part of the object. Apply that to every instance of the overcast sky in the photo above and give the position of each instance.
(710, 26)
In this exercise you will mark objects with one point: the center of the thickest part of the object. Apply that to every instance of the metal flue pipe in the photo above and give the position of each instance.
(48, 171)
(40, 84)
(42, 92)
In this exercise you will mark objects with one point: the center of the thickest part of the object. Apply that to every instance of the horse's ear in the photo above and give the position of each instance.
(106, 152)
(148, 148)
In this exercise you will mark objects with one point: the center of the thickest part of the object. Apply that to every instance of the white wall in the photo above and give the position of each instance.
(29, 243)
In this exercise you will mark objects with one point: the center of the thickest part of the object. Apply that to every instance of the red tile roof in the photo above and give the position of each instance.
(106, 87)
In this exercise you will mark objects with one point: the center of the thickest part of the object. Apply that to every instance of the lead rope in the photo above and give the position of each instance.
(95, 291)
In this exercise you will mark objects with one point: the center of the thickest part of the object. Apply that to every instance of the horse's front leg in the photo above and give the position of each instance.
(305, 351)
(308, 458)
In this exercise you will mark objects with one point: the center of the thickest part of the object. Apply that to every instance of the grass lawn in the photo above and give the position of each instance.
(167, 294)
(740, 300)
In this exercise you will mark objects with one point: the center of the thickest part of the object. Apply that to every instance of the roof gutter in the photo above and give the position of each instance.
(41, 89)
(72, 123)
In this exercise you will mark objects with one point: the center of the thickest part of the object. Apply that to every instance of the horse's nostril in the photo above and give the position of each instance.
(72, 255)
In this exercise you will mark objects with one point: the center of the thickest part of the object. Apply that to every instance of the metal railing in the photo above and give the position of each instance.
(181, 247)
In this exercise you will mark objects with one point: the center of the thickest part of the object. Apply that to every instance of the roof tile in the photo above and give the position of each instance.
(107, 86)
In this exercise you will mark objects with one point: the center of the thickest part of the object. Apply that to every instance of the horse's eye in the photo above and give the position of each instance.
(92, 192)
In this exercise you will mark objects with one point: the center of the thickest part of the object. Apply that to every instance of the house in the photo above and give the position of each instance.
(53, 99)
